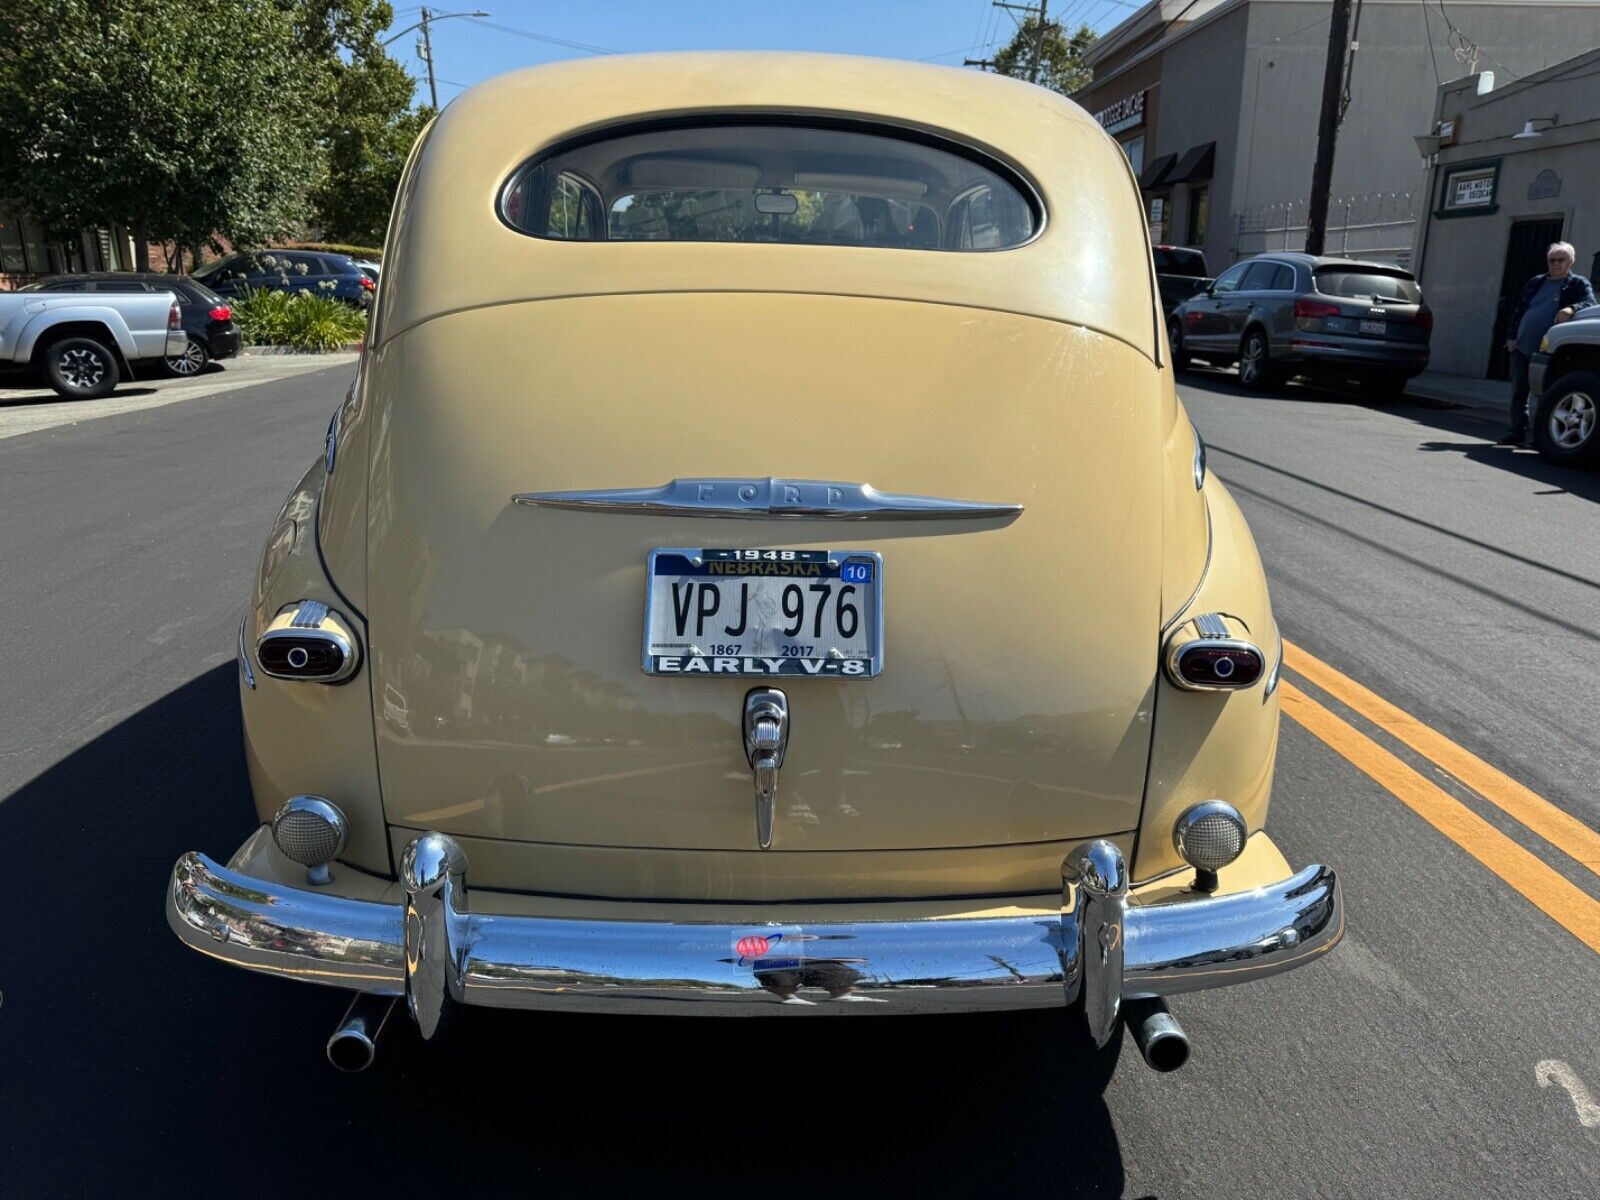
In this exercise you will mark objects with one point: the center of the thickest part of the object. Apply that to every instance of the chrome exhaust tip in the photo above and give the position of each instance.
(1161, 1040)
(354, 1043)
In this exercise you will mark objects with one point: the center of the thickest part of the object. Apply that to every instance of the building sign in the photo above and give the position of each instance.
(1122, 114)
(1546, 185)
(1469, 190)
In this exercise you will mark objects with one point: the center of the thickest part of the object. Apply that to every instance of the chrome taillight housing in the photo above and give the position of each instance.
(1213, 653)
(310, 642)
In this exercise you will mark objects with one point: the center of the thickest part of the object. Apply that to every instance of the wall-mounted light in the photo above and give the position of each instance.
(1534, 127)
(1427, 144)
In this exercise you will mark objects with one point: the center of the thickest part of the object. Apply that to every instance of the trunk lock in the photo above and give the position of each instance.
(766, 737)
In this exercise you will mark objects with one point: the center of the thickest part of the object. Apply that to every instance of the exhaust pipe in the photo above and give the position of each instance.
(1161, 1039)
(354, 1043)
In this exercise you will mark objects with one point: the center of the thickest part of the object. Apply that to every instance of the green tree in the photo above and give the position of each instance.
(1061, 65)
(369, 123)
(179, 119)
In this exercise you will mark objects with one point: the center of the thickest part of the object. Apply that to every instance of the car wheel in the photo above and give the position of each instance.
(1566, 427)
(192, 361)
(1256, 371)
(81, 368)
(1180, 357)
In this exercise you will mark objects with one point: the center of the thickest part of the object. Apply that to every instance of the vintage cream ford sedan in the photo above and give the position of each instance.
(762, 566)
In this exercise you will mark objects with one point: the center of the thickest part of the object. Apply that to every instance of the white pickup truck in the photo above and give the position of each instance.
(1564, 391)
(84, 343)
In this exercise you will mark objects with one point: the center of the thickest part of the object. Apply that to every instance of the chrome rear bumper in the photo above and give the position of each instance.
(435, 952)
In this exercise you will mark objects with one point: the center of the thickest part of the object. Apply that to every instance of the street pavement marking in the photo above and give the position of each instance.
(1553, 1070)
(1561, 829)
(1549, 891)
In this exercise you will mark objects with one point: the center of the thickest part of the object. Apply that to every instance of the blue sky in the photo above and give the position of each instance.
(942, 31)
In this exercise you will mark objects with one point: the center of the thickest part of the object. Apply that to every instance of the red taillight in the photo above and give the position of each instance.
(367, 283)
(174, 318)
(221, 312)
(1425, 319)
(1313, 309)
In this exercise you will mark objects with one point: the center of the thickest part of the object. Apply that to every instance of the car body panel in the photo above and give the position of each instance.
(1012, 709)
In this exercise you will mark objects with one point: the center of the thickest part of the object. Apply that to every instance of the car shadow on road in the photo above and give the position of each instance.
(174, 1067)
(21, 392)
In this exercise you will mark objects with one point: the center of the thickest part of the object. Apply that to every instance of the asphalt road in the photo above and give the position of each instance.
(1447, 1048)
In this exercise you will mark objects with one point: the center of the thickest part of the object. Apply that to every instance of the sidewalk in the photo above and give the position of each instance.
(1487, 394)
(27, 407)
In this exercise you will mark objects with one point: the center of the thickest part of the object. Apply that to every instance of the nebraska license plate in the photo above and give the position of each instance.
(764, 612)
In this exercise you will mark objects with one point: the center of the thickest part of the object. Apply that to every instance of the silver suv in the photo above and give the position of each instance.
(1279, 315)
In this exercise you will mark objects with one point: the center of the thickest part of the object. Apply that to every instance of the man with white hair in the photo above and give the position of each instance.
(1547, 300)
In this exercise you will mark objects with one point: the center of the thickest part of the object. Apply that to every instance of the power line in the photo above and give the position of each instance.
(585, 47)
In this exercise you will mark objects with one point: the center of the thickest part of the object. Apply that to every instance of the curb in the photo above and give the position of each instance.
(270, 351)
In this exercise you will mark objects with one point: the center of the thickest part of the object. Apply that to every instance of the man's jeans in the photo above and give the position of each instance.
(1519, 394)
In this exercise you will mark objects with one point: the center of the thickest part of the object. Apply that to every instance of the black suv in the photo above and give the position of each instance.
(207, 317)
(315, 271)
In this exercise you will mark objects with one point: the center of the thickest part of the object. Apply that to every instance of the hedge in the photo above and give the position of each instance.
(298, 319)
(375, 253)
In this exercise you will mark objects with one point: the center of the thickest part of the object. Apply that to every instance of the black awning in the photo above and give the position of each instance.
(1197, 163)
(1155, 174)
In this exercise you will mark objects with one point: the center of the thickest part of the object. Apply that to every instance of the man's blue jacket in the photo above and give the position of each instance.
(1576, 293)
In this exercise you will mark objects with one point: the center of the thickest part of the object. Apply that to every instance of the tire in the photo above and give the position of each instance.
(190, 363)
(1256, 372)
(1180, 357)
(81, 368)
(1566, 426)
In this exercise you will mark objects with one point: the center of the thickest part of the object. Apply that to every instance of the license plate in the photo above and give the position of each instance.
(764, 612)
(1378, 327)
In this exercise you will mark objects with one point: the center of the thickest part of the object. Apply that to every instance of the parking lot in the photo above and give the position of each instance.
(1446, 1049)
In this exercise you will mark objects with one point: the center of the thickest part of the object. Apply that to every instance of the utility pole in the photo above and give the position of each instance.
(425, 46)
(1040, 10)
(1328, 127)
(426, 52)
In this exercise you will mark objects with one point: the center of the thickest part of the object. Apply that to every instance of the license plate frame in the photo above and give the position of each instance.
(838, 567)
(1381, 328)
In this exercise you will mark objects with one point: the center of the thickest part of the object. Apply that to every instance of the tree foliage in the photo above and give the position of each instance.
(177, 118)
(368, 125)
(1061, 65)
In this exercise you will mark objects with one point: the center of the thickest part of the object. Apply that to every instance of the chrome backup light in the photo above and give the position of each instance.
(1207, 655)
(309, 641)
(1208, 837)
(312, 832)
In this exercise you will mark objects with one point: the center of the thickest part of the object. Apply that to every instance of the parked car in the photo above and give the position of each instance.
(318, 272)
(1280, 315)
(1564, 391)
(791, 581)
(369, 268)
(207, 318)
(1180, 274)
(83, 344)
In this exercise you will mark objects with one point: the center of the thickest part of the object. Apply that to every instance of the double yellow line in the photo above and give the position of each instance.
(1541, 884)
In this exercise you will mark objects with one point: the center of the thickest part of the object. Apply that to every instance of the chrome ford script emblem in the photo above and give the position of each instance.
(769, 497)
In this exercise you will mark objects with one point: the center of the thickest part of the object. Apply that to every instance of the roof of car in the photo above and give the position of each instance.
(1325, 260)
(1075, 269)
(118, 277)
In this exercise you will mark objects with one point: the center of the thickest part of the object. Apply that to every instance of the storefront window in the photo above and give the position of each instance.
(35, 247)
(1160, 218)
(1199, 212)
(1134, 149)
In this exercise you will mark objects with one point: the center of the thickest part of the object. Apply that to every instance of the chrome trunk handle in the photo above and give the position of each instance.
(766, 738)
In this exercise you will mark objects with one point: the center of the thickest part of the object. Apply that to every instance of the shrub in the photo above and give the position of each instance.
(298, 319)
(375, 253)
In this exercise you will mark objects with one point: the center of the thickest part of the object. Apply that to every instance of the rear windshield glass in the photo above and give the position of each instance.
(1361, 285)
(770, 183)
(1172, 261)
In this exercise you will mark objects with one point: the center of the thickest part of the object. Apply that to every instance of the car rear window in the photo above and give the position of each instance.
(1364, 284)
(1173, 260)
(769, 182)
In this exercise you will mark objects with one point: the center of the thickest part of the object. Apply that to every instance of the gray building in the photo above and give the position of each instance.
(1517, 167)
(1216, 102)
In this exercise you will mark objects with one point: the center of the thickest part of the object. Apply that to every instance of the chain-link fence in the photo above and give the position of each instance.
(1379, 226)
